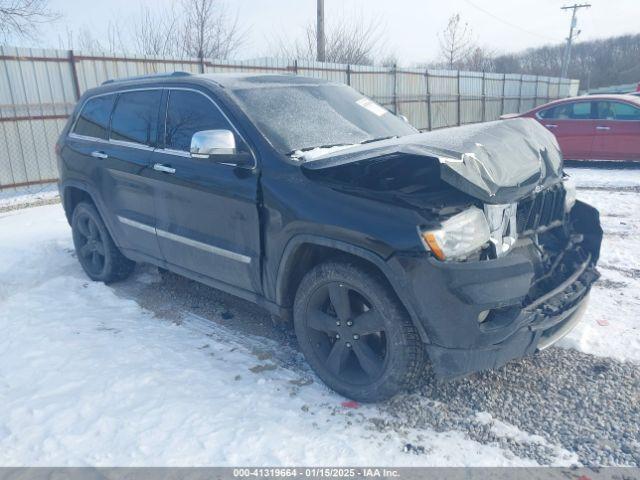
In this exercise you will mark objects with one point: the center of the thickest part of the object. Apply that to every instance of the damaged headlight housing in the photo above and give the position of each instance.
(570, 193)
(459, 236)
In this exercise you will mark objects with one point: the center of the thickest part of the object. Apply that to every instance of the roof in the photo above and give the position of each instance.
(589, 98)
(226, 80)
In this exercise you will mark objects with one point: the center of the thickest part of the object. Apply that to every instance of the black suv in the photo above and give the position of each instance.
(386, 247)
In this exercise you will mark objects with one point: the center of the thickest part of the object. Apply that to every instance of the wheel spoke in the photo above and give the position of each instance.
(83, 228)
(339, 296)
(86, 250)
(337, 357)
(95, 261)
(368, 322)
(99, 248)
(321, 321)
(369, 361)
(93, 230)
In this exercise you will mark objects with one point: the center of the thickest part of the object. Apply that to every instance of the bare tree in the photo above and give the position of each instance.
(456, 42)
(21, 18)
(156, 32)
(353, 40)
(597, 63)
(85, 40)
(479, 60)
(389, 60)
(209, 29)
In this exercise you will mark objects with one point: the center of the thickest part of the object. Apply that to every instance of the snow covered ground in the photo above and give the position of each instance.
(89, 376)
(611, 326)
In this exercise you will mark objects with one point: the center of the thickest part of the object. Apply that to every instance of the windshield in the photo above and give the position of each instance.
(302, 117)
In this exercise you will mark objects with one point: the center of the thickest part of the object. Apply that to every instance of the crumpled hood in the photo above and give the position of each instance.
(496, 162)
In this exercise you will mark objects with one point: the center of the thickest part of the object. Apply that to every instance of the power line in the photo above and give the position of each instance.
(512, 25)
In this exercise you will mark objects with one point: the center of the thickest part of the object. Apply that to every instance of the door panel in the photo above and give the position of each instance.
(125, 182)
(573, 127)
(120, 171)
(617, 132)
(207, 212)
(128, 194)
(208, 219)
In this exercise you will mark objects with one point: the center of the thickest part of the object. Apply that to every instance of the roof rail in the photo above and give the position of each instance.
(153, 75)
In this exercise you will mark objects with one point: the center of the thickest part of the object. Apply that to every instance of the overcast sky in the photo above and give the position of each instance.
(411, 25)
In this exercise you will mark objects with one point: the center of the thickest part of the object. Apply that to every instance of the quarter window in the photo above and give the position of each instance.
(135, 116)
(188, 113)
(93, 120)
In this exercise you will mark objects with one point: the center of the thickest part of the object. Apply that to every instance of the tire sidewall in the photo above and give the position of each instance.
(83, 209)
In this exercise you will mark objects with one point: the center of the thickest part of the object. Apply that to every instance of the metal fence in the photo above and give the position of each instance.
(38, 90)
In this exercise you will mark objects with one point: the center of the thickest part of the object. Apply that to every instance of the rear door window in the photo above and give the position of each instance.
(569, 111)
(135, 117)
(187, 113)
(93, 120)
(618, 111)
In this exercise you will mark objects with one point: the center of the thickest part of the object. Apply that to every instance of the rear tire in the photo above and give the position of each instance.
(97, 253)
(355, 334)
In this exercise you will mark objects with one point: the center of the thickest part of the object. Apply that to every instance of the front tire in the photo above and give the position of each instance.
(95, 249)
(355, 334)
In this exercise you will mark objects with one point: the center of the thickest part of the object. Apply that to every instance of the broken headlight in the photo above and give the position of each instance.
(570, 193)
(459, 236)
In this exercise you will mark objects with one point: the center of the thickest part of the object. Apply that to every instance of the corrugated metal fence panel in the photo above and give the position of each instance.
(95, 69)
(542, 91)
(554, 88)
(411, 98)
(471, 92)
(513, 84)
(374, 82)
(573, 86)
(38, 92)
(493, 88)
(334, 72)
(443, 88)
(528, 92)
(262, 65)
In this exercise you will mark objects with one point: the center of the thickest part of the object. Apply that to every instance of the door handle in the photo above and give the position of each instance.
(602, 127)
(99, 154)
(551, 125)
(159, 167)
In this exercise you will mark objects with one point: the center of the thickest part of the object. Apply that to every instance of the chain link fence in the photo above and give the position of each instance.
(38, 90)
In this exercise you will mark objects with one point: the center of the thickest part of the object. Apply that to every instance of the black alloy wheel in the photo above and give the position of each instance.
(355, 333)
(347, 332)
(98, 254)
(90, 245)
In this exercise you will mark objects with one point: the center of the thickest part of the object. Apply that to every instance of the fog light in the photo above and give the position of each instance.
(482, 316)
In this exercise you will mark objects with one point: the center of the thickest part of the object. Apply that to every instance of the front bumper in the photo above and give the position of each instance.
(449, 297)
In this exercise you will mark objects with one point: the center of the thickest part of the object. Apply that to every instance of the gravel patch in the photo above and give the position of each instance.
(585, 404)
(559, 400)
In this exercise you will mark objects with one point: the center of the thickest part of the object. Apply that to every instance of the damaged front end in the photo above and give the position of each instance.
(493, 310)
(506, 265)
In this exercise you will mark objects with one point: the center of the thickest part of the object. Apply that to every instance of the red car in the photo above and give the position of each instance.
(596, 127)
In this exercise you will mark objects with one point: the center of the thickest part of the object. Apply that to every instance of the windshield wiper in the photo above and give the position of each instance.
(307, 149)
(371, 140)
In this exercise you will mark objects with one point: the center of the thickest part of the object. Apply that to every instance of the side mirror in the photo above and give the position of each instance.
(403, 118)
(219, 146)
(212, 142)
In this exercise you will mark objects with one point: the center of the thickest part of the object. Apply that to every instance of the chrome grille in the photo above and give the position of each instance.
(541, 211)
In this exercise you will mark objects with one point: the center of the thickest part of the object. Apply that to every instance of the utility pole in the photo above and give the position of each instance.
(567, 51)
(320, 50)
